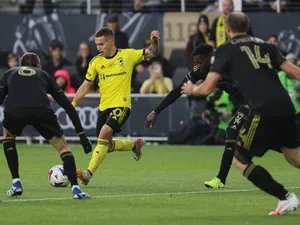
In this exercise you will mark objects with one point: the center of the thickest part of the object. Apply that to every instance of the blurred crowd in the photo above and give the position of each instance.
(117, 6)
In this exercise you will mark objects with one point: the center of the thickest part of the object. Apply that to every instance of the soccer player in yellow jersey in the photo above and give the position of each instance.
(114, 68)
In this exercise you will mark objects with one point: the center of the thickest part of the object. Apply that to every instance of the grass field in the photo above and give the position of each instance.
(165, 187)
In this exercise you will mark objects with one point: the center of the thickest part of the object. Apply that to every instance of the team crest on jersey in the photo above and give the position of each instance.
(120, 61)
(195, 68)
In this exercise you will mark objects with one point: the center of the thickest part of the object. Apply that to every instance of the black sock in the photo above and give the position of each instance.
(225, 164)
(262, 179)
(69, 167)
(11, 155)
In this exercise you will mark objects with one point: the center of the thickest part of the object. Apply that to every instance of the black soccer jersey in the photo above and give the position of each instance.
(252, 64)
(27, 88)
(195, 75)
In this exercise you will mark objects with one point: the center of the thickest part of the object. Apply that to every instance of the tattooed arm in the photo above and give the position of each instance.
(153, 50)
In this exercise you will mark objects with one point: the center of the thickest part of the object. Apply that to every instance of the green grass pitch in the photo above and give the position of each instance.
(165, 187)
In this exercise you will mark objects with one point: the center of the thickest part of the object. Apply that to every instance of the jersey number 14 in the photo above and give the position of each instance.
(256, 58)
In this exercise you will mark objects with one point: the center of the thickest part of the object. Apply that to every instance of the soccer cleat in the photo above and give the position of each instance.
(137, 151)
(214, 183)
(284, 206)
(79, 194)
(15, 190)
(84, 176)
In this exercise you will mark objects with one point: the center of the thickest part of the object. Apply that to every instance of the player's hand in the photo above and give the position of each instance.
(154, 35)
(187, 88)
(150, 120)
(85, 142)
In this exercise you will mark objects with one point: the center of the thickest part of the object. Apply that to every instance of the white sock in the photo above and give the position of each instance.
(75, 186)
(15, 180)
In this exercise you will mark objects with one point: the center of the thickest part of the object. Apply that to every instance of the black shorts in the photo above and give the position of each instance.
(262, 133)
(42, 119)
(113, 117)
(236, 123)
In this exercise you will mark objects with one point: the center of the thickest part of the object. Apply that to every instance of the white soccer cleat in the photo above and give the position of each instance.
(286, 206)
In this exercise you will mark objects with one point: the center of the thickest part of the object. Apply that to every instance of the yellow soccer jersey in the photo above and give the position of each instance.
(115, 77)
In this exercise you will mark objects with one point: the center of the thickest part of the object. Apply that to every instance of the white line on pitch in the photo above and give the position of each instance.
(140, 195)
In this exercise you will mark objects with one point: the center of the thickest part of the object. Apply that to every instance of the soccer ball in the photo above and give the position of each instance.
(57, 177)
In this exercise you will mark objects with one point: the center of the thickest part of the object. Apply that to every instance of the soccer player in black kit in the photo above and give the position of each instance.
(252, 64)
(27, 103)
(202, 56)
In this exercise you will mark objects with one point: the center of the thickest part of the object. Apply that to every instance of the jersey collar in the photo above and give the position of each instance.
(113, 55)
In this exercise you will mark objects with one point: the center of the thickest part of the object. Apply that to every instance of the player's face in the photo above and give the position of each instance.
(227, 7)
(204, 60)
(104, 45)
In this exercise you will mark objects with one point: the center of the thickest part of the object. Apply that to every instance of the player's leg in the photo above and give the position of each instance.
(47, 125)
(255, 138)
(11, 155)
(125, 145)
(113, 119)
(60, 144)
(12, 127)
(232, 132)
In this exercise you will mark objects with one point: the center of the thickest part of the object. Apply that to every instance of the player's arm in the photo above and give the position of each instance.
(153, 50)
(81, 92)
(3, 88)
(291, 69)
(59, 96)
(205, 88)
(86, 84)
(280, 63)
(171, 98)
(168, 100)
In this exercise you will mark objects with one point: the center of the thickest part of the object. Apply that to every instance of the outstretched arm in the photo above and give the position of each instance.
(153, 50)
(168, 100)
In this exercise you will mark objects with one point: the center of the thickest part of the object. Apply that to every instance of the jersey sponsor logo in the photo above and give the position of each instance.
(88, 117)
(120, 60)
(105, 76)
(26, 71)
